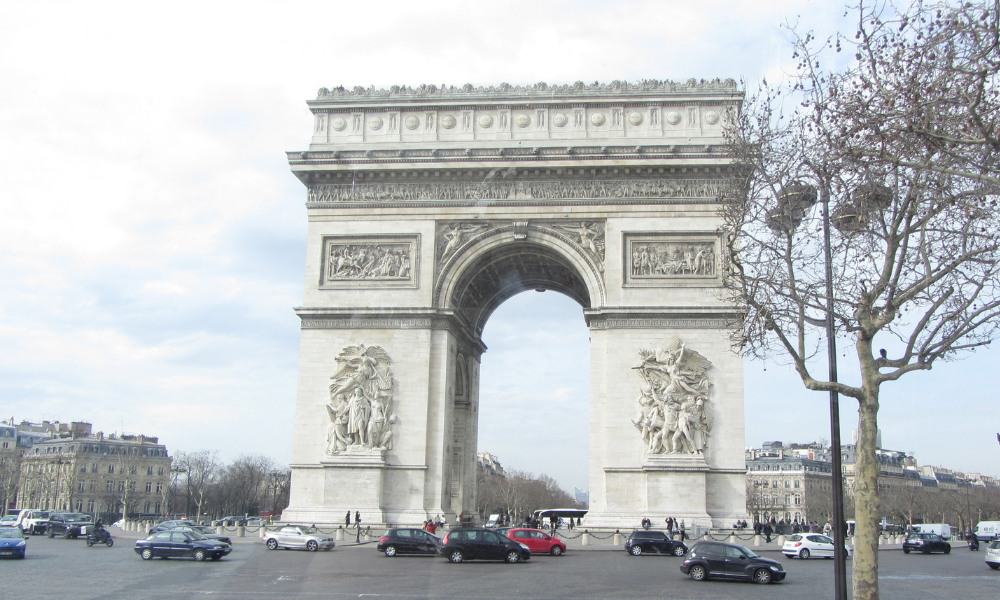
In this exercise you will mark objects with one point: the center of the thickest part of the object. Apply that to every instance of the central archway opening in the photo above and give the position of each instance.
(524, 300)
(534, 398)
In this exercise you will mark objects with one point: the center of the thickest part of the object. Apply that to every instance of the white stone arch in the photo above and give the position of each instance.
(505, 240)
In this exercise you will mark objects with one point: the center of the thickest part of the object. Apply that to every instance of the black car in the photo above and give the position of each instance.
(730, 561)
(653, 542)
(69, 525)
(482, 544)
(926, 543)
(408, 541)
(181, 544)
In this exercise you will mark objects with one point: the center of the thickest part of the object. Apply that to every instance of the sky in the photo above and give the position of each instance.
(153, 238)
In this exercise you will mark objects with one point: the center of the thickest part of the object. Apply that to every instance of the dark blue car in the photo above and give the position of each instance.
(181, 544)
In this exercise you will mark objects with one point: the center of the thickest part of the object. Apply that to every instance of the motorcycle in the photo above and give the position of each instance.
(974, 544)
(99, 536)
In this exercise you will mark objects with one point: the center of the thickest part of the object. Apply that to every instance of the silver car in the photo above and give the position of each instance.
(993, 554)
(291, 536)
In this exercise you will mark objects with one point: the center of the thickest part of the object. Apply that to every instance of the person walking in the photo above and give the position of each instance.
(827, 529)
(347, 519)
(768, 530)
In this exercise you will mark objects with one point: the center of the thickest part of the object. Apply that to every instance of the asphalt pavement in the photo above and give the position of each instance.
(58, 568)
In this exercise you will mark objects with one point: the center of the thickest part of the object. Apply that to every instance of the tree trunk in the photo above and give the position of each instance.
(866, 505)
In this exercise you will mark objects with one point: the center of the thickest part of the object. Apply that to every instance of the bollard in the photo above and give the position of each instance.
(732, 538)
(881, 540)
(340, 534)
(617, 540)
(218, 530)
(585, 538)
(241, 531)
(781, 541)
(756, 540)
(262, 531)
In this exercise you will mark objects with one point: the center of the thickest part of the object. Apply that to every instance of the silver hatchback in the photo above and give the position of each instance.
(293, 536)
(993, 554)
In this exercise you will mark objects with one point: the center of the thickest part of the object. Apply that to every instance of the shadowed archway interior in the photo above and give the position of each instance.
(509, 270)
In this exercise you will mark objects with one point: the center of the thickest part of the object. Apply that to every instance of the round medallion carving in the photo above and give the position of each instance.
(411, 122)
(522, 120)
(375, 123)
(448, 122)
(711, 117)
(485, 121)
(635, 118)
(338, 124)
(673, 117)
(598, 119)
(560, 120)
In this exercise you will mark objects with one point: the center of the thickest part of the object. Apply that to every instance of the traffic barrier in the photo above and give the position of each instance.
(756, 541)
(781, 541)
(585, 538)
(340, 534)
(617, 540)
(241, 531)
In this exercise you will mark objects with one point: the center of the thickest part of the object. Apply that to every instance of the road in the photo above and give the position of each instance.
(62, 569)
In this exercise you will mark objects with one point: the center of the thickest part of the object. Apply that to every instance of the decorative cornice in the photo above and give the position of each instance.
(502, 90)
(640, 323)
(351, 323)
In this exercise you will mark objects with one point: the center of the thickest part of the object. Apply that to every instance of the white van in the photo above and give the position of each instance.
(942, 529)
(493, 521)
(987, 530)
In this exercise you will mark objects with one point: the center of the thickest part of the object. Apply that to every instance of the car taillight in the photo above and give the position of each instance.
(797, 544)
(383, 539)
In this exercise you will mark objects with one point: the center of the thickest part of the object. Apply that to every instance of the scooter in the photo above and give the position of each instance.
(974, 544)
(99, 536)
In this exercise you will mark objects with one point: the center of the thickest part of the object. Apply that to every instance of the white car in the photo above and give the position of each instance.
(291, 536)
(993, 555)
(807, 545)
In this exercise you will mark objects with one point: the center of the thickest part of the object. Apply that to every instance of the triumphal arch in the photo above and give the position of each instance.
(428, 207)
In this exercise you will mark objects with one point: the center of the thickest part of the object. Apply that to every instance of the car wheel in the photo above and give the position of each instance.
(906, 550)
(679, 551)
(312, 546)
(804, 554)
(513, 556)
(556, 551)
(697, 572)
(635, 550)
(762, 576)
(199, 555)
(146, 554)
(390, 551)
(272, 544)
(111, 542)
(947, 549)
(456, 556)
(66, 534)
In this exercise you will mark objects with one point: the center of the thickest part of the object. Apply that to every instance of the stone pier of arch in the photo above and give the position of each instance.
(429, 207)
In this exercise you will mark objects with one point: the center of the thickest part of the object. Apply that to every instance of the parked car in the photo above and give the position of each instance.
(536, 540)
(68, 524)
(730, 561)
(170, 524)
(8, 521)
(403, 540)
(205, 531)
(925, 543)
(807, 545)
(293, 536)
(653, 542)
(181, 544)
(12, 542)
(993, 554)
(482, 544)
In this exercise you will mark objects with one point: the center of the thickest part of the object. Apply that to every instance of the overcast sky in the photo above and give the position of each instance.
(153, 238)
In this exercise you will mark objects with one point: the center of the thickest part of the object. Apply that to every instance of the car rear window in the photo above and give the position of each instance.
(794, 538)
(995, 545)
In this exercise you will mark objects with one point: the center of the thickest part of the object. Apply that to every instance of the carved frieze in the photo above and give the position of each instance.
(605, 189)
(662, 259)
(674, 417)
(545, 90)
(377, 261)
(588, 236)
(452, 235)
(360, 405)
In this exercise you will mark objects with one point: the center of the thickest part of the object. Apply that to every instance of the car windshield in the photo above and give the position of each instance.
(77, 518)
(10, 532)
(195, 535)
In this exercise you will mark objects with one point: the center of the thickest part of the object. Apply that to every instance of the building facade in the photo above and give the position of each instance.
(103, 475)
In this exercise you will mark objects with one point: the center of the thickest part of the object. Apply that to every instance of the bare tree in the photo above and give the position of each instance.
(915, 247)
(201, 471)
(9, 473)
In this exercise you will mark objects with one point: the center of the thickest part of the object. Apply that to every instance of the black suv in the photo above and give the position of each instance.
(404, 540)
(642, 540)
(926, 543)
(730, 561)
(476, 543)
(69, 525)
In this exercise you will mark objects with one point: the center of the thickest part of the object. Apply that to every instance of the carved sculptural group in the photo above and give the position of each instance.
(673, 415)
(368, 261)
(360, 406)
(664, 259)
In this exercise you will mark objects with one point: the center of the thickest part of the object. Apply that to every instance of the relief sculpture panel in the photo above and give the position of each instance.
(369, 262)
(360, 405)
(658, 260)
(673, 413)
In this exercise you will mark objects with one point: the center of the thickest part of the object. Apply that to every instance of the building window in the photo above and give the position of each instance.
(149, 471)
(796, 484)
(121, 485)
(110, 487)
(787, 484)
(90, 505)
(80, 487)
(149, 488)
(159, 488)
(111, 468)
(93, 467)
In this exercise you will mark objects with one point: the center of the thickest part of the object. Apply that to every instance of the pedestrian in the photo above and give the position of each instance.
(767, 532)
(347, 519)
(357, 517)
(827, 529)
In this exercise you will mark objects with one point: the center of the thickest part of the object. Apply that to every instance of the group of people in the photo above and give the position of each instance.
(432, 525)
(674, 526)
(767, 528)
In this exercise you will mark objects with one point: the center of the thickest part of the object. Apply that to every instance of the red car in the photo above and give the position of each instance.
(537, 541)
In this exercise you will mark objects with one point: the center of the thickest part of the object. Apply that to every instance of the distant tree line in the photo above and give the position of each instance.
(517, 494)
(204, 487)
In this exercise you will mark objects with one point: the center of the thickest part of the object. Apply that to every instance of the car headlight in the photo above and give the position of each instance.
(776, 568)
(523, 546)
(21, 543)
